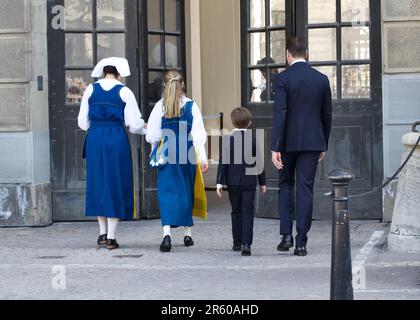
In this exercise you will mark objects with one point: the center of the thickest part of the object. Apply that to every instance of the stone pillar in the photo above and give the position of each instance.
(401, 83)
(25, 188)
(405, 229)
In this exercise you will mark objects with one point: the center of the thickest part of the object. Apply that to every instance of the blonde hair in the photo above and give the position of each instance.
(174, 88)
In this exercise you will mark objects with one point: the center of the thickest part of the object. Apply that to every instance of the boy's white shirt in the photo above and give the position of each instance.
(198, 131)
(132, 115)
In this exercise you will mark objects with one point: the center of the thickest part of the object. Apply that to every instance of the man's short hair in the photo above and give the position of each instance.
(241, 118)
(297, 47)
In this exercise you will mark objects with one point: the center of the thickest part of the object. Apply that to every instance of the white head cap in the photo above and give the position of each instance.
(120, 64)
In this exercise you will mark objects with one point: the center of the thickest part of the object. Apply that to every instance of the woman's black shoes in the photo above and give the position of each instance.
(103, 240)
(188, 241)
(112, 244)
(166, 245)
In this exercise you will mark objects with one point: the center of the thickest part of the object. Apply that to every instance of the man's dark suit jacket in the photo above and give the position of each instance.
(232, 174)
(302, 110)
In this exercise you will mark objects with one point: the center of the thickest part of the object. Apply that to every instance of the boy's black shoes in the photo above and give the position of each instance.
(301, 252)
(246, 250)
(166, 245)
(102, 240)
(286, 243)
(112, 244)
(237, 247)
(188, 241)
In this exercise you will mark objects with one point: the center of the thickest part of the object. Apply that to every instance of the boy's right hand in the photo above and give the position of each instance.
(220, 191)
(263, 189)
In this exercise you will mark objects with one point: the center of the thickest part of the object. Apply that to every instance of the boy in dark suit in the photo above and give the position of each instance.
(240, 166)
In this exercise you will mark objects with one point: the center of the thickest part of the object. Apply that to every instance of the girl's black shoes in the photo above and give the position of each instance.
(102, 240)
(112, 244)
(166, 245)
(188, 241)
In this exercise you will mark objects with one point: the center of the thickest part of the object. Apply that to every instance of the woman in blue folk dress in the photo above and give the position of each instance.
(107, 108)
(178, 120)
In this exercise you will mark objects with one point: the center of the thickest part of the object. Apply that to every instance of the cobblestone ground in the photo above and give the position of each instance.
(31, 259)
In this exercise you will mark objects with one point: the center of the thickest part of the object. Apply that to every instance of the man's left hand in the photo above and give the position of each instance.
(276, 158)
(322, 156)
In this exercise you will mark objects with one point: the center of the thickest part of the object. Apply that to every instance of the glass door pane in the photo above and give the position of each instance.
(355, 43)
(78, 14)
(110, 14)
(257, 13)
(266, 43)
(322, 44)
(355, 11)
(76, 84)
(322, 11)
(172, 22)
(165, 42)
(90, 36)
(277, 12)
(111, 45)
(153, 14)
(79, 49)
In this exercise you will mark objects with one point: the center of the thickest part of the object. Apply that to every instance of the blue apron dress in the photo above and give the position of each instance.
(176, 181)
(109, 167)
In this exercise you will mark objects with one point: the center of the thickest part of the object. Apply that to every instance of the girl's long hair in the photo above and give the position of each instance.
(174, 89)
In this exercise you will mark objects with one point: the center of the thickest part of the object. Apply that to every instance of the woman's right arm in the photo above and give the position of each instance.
(154, 125)
(83, 118)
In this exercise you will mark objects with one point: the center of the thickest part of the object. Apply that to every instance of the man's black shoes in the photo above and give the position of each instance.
(237, 247)
(246, 250)
(301, 252)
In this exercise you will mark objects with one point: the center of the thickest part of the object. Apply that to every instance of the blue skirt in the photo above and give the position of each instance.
(109, 173)
(176, 194)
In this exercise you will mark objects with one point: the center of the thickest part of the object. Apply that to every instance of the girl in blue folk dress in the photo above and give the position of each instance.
(107, 108)
(177, 119)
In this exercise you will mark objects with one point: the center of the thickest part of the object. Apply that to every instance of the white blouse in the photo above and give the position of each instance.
(198, 132)
(132, 116)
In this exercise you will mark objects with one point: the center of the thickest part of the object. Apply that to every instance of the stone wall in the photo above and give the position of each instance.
(25, 195)
(401, 82)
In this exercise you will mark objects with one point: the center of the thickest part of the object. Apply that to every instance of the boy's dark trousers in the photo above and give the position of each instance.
(242, 200)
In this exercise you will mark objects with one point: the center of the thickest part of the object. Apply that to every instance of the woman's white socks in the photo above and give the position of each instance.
(112, 227)
(166, 231)
(102, 225)
(188, 232)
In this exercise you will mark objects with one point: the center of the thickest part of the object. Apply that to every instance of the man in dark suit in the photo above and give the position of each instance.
(301, 131)
(240, 166)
